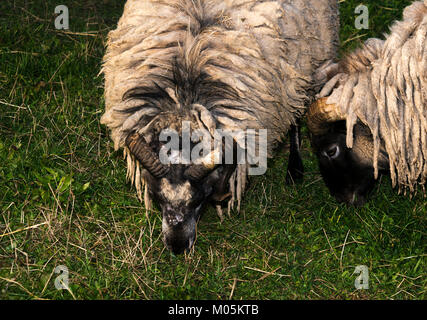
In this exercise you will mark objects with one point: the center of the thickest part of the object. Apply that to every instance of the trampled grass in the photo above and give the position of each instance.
(64, 199)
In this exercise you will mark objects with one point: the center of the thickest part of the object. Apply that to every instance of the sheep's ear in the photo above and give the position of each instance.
(221, 197)
(221, 189)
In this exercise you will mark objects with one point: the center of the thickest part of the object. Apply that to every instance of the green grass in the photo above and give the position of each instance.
(64, 199)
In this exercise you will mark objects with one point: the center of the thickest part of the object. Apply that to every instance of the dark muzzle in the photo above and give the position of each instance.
(179, 232)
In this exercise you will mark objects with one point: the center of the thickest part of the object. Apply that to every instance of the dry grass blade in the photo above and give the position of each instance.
(343, 247)
(268, 273)
(23, 229)
(22, 287)
(332, 249)
(87, 34)
(232, 289)
(11, 105)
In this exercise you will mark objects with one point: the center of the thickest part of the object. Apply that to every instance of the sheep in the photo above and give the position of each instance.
(371, 116)
(234, 65)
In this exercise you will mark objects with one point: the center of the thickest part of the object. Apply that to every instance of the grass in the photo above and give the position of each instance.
(64, 199)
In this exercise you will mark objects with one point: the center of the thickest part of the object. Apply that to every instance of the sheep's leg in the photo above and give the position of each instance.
(295, 171)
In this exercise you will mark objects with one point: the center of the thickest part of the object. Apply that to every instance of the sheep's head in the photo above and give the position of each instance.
(346, 162)
(180, 190)
(347, 172)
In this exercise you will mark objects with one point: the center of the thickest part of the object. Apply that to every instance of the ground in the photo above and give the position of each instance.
(64, 199)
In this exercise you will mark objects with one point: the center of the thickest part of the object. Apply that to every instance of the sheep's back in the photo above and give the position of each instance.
(265, 52)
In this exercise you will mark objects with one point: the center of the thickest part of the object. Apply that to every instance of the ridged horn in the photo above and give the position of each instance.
(203, 166)
(320, 114)
(145, 155)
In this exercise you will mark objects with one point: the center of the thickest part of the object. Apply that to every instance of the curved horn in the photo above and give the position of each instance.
(146, 156)
(203, 166)
(197, 172)
(320, 114)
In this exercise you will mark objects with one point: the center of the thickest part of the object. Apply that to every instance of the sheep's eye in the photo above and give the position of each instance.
(332, 152)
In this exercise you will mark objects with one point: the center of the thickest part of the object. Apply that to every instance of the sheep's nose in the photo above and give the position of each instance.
(173, 219)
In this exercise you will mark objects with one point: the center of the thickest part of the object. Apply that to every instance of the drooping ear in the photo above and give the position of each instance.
(221, 188)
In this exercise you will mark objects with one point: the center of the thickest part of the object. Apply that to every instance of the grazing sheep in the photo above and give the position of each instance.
(381, 93)
(233, 65)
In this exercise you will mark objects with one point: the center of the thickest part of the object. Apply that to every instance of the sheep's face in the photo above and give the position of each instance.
(181, 201)
(180, 186)
(348, 179)
(348, 173)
